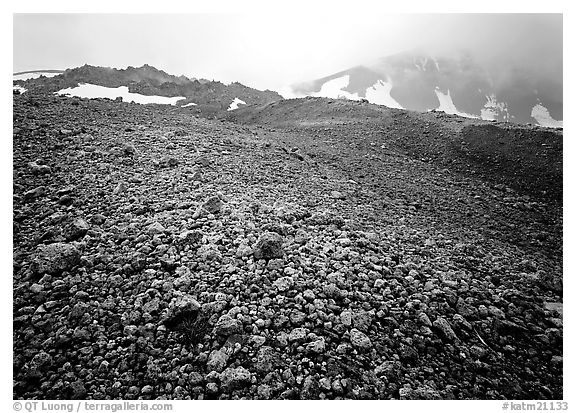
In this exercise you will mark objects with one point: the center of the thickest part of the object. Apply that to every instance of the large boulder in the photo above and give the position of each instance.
(55, 258)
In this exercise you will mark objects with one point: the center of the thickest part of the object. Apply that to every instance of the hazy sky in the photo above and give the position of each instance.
(273, 50)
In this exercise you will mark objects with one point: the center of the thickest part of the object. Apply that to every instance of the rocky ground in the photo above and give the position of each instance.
(162, 256)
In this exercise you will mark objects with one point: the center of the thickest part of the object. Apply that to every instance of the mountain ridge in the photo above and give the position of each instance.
(209, 97)
(456, 84)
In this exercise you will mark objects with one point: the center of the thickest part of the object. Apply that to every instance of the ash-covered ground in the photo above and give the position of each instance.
(304, 249)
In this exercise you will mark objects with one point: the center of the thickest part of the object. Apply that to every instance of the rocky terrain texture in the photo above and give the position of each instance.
(210, 97)
(303, 249)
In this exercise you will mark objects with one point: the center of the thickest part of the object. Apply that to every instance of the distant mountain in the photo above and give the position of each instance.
(456, 84)
(200, 95)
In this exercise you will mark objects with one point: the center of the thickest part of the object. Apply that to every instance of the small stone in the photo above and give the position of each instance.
(337, 387)
(264, 392)
(346, 318)
(192, 238)
(227, 325)
(39, 169)
(35, 193)
(65, 200)
(129, 149)
(202, 160)
(555, 307)
(269, 246)
(209, 252)
(557, 361)
(424, 319)
(257, 341)
(309, 295)
(325, 383)
(156, 228)
(477, 352)
(147, 389)
(362, 320)
(283, 283)
(360, 340)
(212, 388)
(195, 379)
(130, 330)
(235, 378)
(337, 195)
(76, 229)
(318, 346)
(217, 361)
(39, 364)
(297, 317)
(445, 329)
(120, 188)
(213, 205)
(243, 251)
(78, 390)
(298, 334)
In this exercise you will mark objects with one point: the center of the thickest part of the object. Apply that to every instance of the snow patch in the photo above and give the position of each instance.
(379, 93)
(87, 90)
(493, 109)
(333, 89)
(19, 89)
(447, 105)
(436, 64)
(188, 104)
(34, 75)
(542, 116)
(235, 103)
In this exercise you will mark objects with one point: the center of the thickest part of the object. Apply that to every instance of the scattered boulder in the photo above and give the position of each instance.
(129, 149)
(55, 258)
(213, 205)
(218, 360)
(39, 364)
(269, 246)
(227, 325)
(235, 378)
(283, 283)
(337, 195)
(39, 169)
(35, 193)
(76, 229)
(360, 340)
(444, 328)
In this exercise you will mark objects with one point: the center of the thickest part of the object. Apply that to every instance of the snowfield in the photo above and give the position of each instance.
(493, 108)
(447, 105)
(542, 116)
(334, 89)
(235, 103)
(87, 90)
(379, 94)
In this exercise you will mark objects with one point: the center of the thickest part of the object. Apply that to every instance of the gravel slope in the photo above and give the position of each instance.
(158, 255)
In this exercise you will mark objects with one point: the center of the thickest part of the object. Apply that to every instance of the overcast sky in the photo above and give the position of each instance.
(273, 50)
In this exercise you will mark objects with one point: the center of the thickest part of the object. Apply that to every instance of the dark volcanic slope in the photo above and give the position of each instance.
(210, 97)
(158, 255)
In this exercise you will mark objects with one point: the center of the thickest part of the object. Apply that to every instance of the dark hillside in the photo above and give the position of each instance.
(309, 249)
